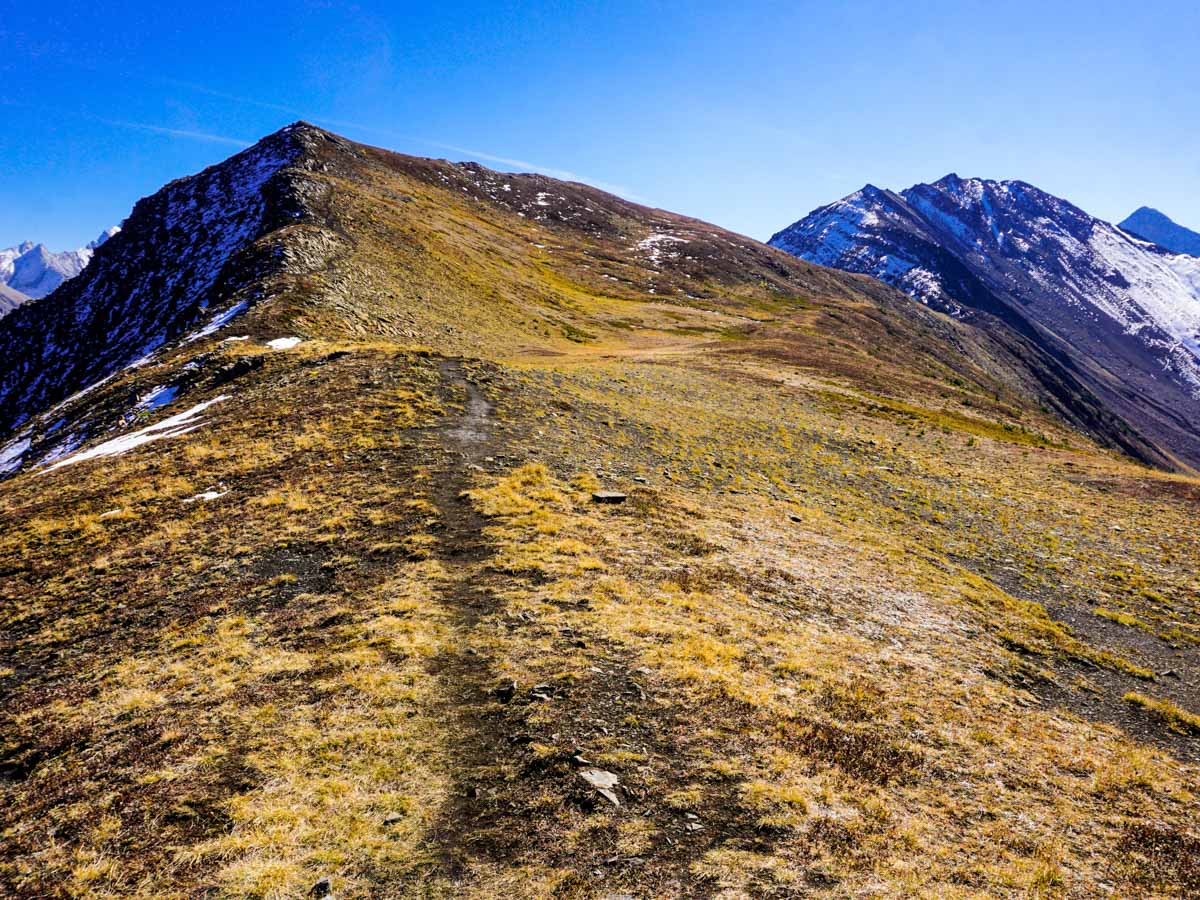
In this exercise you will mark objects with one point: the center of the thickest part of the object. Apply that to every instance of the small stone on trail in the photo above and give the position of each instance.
(393, 818)
(639, 479)
(796, 518)
(608, 497)
(323, 888)
(603, 782)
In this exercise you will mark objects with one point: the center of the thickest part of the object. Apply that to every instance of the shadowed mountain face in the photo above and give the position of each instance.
(1110, 324)
(305, 587)
(182, 250)
(1158, 228)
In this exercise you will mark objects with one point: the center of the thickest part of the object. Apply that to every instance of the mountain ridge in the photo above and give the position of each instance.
(290, 197)
(327, 591)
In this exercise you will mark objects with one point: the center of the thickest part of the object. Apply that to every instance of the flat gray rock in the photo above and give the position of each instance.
(603, 782)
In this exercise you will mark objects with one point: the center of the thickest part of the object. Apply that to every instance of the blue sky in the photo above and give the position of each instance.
(746, 114)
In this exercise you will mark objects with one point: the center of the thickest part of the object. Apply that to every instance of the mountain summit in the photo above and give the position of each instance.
(378, 526)
(1111, 324)
(1155, 226)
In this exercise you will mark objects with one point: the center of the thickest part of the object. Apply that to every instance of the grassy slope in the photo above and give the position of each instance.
(859, 627)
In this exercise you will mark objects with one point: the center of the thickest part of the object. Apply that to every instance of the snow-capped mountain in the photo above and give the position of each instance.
(1154, 226)
(1121, 313)
(32, 270)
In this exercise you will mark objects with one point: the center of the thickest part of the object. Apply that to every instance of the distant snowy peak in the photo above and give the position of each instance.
(1017, 236)
(848, 234)
(33, 271)
(1019, 261)
(1153, 225)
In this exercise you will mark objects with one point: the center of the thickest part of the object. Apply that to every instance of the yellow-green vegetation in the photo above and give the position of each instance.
(847, 635)
(1175, 716)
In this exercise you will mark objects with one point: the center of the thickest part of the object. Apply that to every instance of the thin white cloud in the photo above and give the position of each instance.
(563, 174)
(188, 134)
(178, 132)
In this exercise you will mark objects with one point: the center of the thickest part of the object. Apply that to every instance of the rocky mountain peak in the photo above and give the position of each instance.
(185, 251)
(1126, 312)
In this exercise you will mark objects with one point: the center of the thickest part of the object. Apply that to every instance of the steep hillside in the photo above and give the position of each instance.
(1154, 226)
(320, 597)
(1111, 324)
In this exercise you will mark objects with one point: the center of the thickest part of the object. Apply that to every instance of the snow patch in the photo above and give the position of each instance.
(158, 397)
(657, 245)
(11, 455)
(173, 426)
(206, 496)
(284, 343)
(218, 321)
(65, 448)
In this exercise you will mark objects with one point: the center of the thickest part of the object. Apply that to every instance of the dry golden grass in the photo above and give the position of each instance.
(864, 625)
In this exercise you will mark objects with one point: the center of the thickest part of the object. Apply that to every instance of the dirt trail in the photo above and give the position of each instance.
(459, 444)
(495, 813)
(465, 674)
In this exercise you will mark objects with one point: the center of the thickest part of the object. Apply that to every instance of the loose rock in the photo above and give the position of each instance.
(608, 497)
(603, 782)
(505, 692)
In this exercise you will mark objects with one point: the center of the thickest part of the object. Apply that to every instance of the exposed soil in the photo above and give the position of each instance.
(1102, 699)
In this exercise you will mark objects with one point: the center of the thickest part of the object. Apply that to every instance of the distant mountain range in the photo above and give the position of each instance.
(1110, 324)
(30, 271)
(1156, 227)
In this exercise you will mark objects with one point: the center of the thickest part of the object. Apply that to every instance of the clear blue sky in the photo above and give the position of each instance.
(748, 114)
